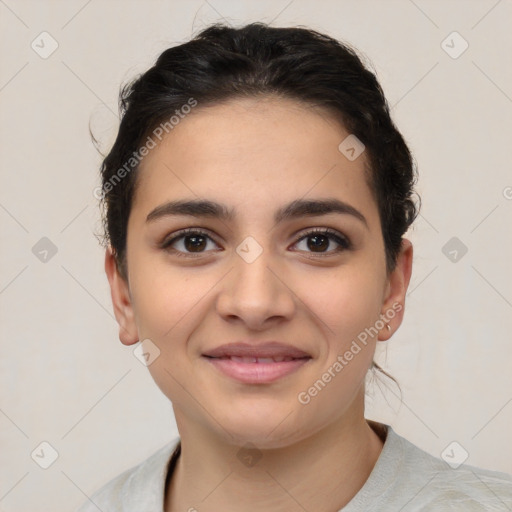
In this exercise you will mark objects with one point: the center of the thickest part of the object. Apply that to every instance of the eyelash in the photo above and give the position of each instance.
(343, 241)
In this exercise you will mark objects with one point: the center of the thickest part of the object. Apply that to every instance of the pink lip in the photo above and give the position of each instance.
(254, 372)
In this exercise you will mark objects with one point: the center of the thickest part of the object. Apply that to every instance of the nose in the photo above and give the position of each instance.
(256, 294)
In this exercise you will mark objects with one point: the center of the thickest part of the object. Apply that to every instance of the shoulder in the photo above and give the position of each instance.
(435, 484)
(140, 487)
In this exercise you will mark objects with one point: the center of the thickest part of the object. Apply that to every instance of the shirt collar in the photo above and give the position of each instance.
(145, 487)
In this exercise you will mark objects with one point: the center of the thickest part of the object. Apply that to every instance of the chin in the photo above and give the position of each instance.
(265, 427)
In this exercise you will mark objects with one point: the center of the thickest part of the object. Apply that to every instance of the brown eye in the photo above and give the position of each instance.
(319, 240)
(194, 243)
(188, 242)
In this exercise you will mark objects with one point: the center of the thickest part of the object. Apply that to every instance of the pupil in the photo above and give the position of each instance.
(318, 245)
(195, 244)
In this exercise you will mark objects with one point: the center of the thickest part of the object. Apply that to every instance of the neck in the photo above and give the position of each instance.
(323, 471)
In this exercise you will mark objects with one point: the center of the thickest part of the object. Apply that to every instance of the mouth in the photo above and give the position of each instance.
(257, 364)
(259, 360)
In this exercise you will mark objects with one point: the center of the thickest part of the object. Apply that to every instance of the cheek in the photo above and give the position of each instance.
(168, 307)
(345, 302)
(165, 302)
(347, 308)
(161, 293)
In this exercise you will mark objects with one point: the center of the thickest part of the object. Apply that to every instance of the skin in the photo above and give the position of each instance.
(256, 155)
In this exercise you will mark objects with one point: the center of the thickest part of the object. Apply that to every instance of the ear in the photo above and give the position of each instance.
(121, 301)
(393, 306)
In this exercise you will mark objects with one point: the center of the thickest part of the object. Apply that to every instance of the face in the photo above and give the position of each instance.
(281, 268)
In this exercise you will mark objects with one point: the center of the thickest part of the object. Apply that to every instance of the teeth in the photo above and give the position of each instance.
(243, 359)
(277, 359)
(265, 360)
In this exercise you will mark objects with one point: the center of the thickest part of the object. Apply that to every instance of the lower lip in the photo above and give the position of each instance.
(256, 373)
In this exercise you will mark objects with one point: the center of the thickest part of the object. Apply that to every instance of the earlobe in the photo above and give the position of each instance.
(121, 301)
(393, 306)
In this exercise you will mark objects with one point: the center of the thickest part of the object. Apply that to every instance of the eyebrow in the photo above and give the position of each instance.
(295, 209)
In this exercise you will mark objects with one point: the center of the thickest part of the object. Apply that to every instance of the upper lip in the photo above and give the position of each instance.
(256, 349)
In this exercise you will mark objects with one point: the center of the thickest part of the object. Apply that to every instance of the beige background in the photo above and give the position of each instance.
(65, 377)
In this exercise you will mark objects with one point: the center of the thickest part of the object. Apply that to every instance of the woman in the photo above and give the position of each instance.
(256, 199)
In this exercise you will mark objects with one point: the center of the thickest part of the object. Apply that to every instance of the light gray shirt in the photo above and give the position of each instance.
(405, 478)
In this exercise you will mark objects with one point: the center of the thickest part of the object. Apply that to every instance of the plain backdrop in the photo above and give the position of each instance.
(66, 380)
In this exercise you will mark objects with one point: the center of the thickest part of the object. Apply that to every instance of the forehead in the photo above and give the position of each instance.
(253, 151)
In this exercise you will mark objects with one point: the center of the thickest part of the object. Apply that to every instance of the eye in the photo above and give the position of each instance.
(193, 242)
(187, 242)
(318, 239)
